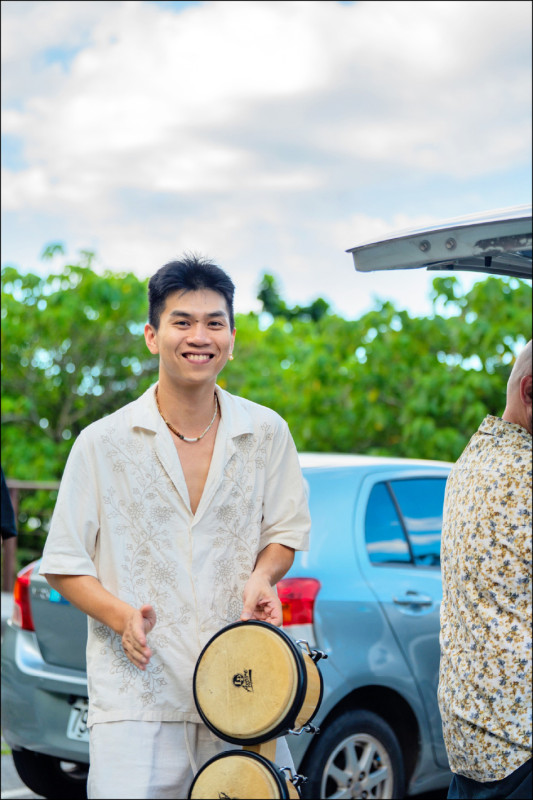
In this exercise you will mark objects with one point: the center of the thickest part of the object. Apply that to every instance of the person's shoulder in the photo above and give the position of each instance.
(117, 420)
(258, 413)
(493, 449)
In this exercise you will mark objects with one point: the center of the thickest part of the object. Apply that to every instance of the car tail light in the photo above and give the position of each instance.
(21, 595)
(298, 597)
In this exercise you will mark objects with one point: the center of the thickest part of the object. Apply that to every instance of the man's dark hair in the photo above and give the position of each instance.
(189, 274)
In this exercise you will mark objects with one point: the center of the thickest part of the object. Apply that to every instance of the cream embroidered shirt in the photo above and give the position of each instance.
(485, 667)
(123, 516)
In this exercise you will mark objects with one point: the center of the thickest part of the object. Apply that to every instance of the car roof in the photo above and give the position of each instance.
(336, 460)
(497, 242)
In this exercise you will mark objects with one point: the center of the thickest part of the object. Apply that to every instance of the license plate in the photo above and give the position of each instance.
(77, 724)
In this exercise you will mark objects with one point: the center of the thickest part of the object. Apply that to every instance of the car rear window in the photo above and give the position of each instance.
(421, 501)
(404, 520)
(385, 538)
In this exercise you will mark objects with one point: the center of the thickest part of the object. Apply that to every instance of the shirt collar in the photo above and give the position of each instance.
(235, 416)
(496, 426)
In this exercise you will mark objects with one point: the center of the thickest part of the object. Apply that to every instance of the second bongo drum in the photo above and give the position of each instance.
(252, 683)
(242, 774)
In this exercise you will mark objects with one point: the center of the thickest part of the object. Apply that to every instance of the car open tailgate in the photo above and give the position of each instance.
(497, 242)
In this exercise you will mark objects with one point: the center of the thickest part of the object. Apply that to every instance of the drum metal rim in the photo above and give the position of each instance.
(277, 774)
(284, 725)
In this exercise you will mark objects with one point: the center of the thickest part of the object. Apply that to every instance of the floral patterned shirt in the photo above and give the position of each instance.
(485, 667)
(123, 516)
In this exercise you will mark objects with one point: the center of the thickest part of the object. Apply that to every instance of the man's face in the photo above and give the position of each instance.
(194, 338)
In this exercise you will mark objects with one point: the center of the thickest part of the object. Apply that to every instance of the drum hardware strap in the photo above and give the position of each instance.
(306, 729)
(294, 778)
(316, 655)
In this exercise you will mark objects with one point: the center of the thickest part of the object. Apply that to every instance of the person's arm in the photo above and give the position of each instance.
(9, 525)
(260, 600)
(132, 624)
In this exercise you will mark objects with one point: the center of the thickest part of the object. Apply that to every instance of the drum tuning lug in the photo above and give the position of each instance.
(305, 729)
(311, 728)
(306, 644)
(294, 778)
(298, 732)
(316, 655)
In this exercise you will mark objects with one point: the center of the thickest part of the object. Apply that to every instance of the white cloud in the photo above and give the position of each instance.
(257, 131)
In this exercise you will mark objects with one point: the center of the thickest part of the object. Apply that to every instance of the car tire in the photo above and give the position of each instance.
(357, 755)
(51, 777)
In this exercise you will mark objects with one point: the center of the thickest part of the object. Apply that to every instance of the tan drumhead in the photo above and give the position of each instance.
(236, 776)
(246, 681)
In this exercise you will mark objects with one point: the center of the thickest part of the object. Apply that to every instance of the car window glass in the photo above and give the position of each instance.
(421, 501)
(385, 540)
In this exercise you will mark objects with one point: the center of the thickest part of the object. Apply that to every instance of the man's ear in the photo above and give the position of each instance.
(526, 385)
(150, 338)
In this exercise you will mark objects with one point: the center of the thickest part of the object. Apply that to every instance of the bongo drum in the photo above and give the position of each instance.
(252, 683)
(242, 774)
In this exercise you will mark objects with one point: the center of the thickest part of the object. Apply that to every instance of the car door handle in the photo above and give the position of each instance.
(413, 599)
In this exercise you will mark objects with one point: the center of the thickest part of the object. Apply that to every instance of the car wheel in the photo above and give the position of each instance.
(357, 756)
(51, 777)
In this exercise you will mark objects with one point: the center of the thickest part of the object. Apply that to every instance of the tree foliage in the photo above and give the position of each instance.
(72, 351)
(386, 383)
(274, 305)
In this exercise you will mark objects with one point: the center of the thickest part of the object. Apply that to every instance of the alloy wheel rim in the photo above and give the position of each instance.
(359, 767)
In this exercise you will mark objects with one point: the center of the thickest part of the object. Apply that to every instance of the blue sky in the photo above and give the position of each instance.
(270, 136)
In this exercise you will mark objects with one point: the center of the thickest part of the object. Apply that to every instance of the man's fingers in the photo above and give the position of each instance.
(134, 637)
(149, 615)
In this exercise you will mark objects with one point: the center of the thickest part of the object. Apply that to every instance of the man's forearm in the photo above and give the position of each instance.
(87, 593)
(274, 562)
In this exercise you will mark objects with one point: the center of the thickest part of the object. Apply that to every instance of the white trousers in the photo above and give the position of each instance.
(133, 760)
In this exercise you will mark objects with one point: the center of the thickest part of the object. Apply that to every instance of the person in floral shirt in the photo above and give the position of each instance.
(485, 667)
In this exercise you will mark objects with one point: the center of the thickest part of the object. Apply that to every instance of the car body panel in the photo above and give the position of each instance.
(37, 698)
(355, 616)
(497, 242)
(64, 644)
(415, 626)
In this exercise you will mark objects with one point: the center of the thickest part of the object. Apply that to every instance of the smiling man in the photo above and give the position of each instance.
(176, 516)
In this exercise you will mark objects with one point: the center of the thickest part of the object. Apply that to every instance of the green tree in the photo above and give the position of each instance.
(388, 383)
(72, 351)
(274, 305)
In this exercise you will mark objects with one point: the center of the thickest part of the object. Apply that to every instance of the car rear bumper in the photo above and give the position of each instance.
(37, 699)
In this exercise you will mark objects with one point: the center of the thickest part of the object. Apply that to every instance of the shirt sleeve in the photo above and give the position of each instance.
(71, 542)
(286, 518)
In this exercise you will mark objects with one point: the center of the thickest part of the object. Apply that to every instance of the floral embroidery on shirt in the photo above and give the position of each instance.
(237, 520)
(147, 566)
